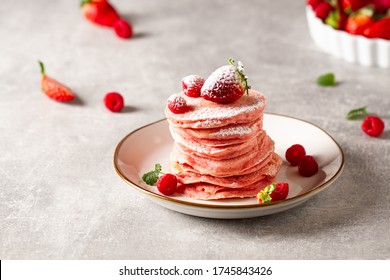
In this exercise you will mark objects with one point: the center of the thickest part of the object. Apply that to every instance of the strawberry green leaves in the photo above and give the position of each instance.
(151, 177)
(263, 197)
(326, 80)
(357, 114)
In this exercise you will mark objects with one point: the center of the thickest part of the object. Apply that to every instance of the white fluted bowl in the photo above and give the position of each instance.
(351, 48)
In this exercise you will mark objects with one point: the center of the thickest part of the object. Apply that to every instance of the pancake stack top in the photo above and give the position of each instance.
(220, 149)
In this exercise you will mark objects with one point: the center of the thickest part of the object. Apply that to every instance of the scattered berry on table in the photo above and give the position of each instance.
(114, 101)
(53, 89)
(192, 85)
(167, 184)
(123, 29)
(295, 153)
(373, 126)
(177, 104)
(100, 12)
(308, 166)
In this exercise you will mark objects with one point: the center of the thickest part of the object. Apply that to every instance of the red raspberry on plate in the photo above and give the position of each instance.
(226, 84)
(123, 29)
(308, 166)
(177, 104)
(295, 153)
(373, 126)
(273, 192)
(167, 184)
(113, 101)
(191, 85)
(322, 10)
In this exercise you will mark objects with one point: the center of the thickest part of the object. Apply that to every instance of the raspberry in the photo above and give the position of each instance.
(177, 104)
(373, 126)
(294, 154)
(307, 166)
(167, 184)
(322, 10)
(123, 29)
(280, 192)
(191, 85)
(113, 101)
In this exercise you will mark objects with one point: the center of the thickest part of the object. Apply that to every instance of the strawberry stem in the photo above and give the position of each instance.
(83, 2)
(42, 67)
(240, 71)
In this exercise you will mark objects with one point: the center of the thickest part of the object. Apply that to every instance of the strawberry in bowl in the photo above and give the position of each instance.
(357, 31)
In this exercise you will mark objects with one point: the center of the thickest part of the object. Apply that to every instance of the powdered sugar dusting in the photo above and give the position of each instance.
(236, 130)
(207, 110)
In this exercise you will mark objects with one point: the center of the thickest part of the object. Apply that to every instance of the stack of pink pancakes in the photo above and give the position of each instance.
(221, 150)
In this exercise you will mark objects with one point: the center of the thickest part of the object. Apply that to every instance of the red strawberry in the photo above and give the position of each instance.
(380, 29)
(273, 192)
(100, 12)
(314, 3)
(226, 84)
(192, 85)
(354, 5)
(123, 29)
(381, 6)
(54, 89)
(358, 23)
(322, 10)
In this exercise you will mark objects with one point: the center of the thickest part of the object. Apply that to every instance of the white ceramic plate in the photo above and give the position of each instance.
(140, 150)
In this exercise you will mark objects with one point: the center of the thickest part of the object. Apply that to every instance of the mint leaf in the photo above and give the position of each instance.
(151, 177)
(264, 195)
(326, 80)
(357, 114)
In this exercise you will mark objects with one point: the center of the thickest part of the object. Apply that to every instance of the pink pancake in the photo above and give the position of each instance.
(206, 191)
(207, 114)
(242, 131)
(269, 170)
(226, 167)
(219, 152)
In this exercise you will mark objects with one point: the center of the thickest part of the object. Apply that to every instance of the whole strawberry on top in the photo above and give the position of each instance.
(226, 84)
(53, 89)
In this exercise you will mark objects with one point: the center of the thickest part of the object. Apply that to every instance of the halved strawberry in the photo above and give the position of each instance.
(380, 29)
(54, 89)
(273, 192)
(100, 12)
(226, 84)
(358, 23)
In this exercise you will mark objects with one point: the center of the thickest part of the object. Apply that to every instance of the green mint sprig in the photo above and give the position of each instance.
(326, 80)
(151, 177)
(240, 71)
(264, 195)
(357, 114)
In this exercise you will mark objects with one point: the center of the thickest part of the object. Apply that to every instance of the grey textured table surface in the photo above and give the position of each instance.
(60, 195)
